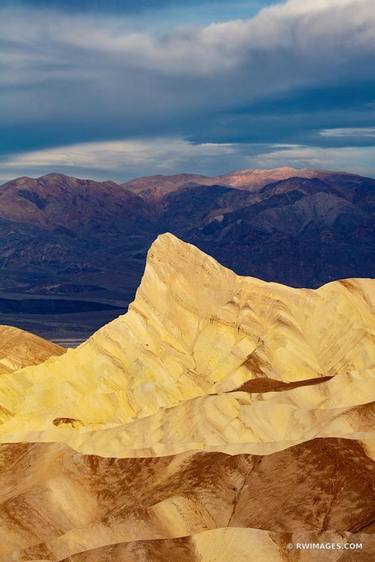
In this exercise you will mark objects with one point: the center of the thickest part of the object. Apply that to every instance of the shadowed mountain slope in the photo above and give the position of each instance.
(92, 508)
(40, 201)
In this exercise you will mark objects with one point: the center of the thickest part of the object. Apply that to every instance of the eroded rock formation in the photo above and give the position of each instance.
(222, 418)
(20, 349)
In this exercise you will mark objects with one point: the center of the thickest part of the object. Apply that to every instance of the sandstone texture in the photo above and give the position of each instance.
(20, 349)
(221, 418)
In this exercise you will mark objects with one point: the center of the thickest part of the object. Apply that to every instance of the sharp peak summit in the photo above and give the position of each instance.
(167, 247)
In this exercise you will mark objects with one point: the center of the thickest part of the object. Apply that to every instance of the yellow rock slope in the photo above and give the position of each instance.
(20, 349)
(222, 418)
(194, 329)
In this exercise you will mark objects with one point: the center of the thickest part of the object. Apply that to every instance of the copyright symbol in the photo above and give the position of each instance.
(290, 546)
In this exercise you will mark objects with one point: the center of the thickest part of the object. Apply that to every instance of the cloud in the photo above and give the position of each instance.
(348, 159)
(122, 6)
(116, 6)
(68, 78)
(350, 132)
(126, 159)
(294, 27)
(122, 159)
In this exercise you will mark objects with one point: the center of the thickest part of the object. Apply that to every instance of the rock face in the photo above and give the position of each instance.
(20, 349)
(81, 240)
(221, 418)
(90, 508)
(196, 328)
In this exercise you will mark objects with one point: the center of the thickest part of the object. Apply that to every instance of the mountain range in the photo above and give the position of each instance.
(78, 246)
(221, 418)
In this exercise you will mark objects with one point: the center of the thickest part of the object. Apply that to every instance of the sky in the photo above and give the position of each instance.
(117, 89)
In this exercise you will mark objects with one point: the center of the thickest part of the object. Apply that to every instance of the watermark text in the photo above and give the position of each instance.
(325, 546)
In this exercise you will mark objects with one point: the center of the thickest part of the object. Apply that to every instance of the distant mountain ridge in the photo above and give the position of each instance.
(85, 239)
(41, 201)
(155, 187)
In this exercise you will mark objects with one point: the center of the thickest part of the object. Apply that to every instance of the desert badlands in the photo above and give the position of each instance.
(221, 418)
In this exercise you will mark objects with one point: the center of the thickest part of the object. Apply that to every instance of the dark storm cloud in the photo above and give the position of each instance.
(121, 6)
(116, 6)
(289, 76)
(299, 117)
